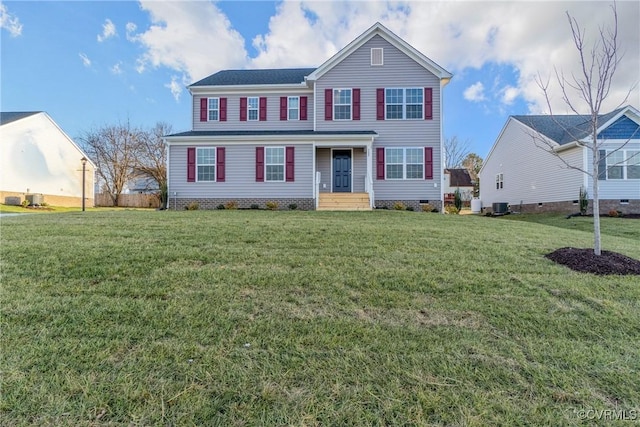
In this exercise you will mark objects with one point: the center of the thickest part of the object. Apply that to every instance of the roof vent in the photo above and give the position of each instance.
(377, 56)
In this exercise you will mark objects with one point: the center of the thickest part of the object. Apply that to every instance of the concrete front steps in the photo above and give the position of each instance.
(344, 202)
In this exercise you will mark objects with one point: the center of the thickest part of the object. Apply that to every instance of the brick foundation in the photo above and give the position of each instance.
(415, 204)
(208, 204)
(633, 207)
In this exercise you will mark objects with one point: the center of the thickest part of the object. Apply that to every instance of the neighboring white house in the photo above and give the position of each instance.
(38, 158)
(519, 171)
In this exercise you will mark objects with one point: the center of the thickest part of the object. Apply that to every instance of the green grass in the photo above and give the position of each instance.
(309, 318)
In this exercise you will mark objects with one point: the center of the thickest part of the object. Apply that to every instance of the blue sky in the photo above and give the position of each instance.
(88, 64)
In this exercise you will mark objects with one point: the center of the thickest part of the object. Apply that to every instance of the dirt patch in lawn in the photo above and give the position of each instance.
(584, 260)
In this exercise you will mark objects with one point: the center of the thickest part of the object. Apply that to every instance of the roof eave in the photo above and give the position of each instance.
(275, 137)
(195, 90)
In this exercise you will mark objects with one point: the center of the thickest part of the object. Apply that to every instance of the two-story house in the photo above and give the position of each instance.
(363, 130)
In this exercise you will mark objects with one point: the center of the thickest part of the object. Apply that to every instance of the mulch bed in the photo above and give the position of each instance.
(584, 260)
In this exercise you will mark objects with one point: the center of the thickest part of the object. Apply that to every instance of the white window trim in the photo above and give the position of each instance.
(404, 163)
(377, 49)
(289, 98)
(499, 181)
(284, 164)
(215, 159)
(335, 104)
(404, 103)
(624, 164)
(256, 109)
(209, 109)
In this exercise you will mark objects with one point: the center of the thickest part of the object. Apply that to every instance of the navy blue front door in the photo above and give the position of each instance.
(342, 171)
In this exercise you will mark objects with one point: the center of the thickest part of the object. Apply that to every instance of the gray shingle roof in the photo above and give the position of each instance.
(565, 128)
(271, 133)
(12, 116)
(256, 77)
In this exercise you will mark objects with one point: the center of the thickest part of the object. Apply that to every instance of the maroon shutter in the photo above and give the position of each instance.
(380, 163)
(259, 164)
(283, 108)
(220, 164)
(289, 163)
(191, 164)
(263, 108)
(243, 109)
(328, 104)
(356, 104)
(204, 104)
(223, 109)
(428, 163)
(428, 103)
(303, 108)
(379, 104)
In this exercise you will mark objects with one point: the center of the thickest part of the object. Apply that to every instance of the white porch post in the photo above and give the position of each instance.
(369, 177)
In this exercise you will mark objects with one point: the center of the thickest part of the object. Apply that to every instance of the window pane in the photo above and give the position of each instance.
(414, 155)
(614, 172)
(206, 156)
(394, 96)
(615, 165)
(394, 155)
(342, 96)
(394, 171)
(394, 111)
(213, 114)
(206, 173)
(275, 173)
(342, 112)
(414, 171)
(275, 155)
(253, 114)
(414, 111)
(252, 102)
(414, 96)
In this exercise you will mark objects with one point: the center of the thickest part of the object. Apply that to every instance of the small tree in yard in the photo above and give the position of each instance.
(455, 151)
(588, 90)
(151, 159)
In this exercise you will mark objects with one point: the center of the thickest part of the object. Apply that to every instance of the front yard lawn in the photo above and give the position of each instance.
(310, 318)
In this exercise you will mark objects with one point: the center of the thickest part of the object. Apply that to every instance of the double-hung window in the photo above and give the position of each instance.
(342, 104)
(623, 164)
(404, 163)
(206, 163)
(293, 108)
(274, 164)
(252, 108)
(404, 103)
(499, 181)
(214, 109)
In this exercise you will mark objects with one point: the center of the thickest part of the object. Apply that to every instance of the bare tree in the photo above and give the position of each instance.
(587, 90)
(151, 159)
(473, 163)
(114, 150)
(455, 150)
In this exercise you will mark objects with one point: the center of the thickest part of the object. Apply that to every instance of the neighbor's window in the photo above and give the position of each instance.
(293, 107)
(615, 165)
(404, 103)
(499, 181)
(274, 163)
(633, 164)
(342, 104)
(404, 163)
(214, 109)
(252, 108)
(206, 163)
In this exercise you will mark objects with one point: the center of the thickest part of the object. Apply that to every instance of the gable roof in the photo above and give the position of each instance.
(564, 129)
(380, 30)
(256, 77)
(459, 178)
(12, 116)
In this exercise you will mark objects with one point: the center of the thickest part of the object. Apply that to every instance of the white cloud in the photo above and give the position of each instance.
(10, 22)
(131, 29)
(175, 87)
(193, 38)
(509, 94)
(108, 30)
(117, 68)
(475, 92)
(85, 59)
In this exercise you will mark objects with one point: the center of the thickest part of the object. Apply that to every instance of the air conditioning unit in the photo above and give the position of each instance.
(500, 208)
(34, 199)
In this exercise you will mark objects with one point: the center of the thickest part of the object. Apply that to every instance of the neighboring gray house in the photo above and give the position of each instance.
(518, 171)
(363, 130)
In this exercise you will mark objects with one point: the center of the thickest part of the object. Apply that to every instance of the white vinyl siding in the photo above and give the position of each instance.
(342, 104)
(213, 109)
(205, 164)
(252, 108)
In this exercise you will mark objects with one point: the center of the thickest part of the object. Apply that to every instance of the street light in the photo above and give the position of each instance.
(84, 171)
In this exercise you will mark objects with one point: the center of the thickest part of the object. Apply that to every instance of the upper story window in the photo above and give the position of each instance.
(274, 164)
(499, 181)
(404, 163)
(377, 56)
(623, 164)
(293, 108)
(342, 104)
(214, 109)
(206, 163)
(404, 103)
(252, 108)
